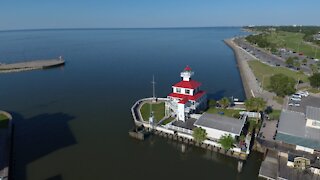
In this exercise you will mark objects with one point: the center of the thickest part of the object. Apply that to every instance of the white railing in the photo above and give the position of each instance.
(141, 100)
(179, 129)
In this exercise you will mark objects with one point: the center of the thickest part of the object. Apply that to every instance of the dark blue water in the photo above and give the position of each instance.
(72, 121)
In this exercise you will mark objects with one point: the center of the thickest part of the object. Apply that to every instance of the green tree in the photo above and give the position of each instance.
(304, 61)
(315, 80)
(199, 134)
(226, 141)
(296, 64)
(249, 104)
(290, 61)
(255, 104)
(224, 102)
(314, 68)
(282, 85)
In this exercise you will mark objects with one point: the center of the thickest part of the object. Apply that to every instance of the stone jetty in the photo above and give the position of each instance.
(31, 65)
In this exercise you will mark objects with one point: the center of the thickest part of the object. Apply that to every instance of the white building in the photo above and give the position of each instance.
(186, 97)
(217, 125)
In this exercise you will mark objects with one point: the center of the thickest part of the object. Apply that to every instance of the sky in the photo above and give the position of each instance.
(43, 14)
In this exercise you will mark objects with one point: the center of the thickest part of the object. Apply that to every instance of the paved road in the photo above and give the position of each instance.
(269, 58)
(251, 82)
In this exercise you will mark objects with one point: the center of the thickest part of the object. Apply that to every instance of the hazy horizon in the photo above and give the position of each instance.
(75, 14)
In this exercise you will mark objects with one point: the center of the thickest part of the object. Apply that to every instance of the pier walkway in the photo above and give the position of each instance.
(31, 65)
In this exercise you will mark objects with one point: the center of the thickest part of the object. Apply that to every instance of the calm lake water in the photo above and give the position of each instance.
(72, 122)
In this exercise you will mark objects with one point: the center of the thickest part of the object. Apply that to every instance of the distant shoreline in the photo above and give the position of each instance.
(115, 28)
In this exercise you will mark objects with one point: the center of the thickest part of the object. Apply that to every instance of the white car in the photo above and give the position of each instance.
(297, 96)
(290, 104)
(295, 99)
(316, 60)
(303, 93)
(297, 104)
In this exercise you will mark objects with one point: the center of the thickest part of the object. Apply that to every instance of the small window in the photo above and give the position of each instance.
(187, 91)
(178, 90)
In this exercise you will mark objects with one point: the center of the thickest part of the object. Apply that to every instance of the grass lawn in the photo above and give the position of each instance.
(4, 121)
(158, 110)
(227, 112)
(314, 90)
(291, 41)
(263, 72)
(278, 99)
(275, 115)
(166, 121)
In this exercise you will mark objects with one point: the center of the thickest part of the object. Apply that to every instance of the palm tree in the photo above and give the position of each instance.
(260, 104)
(224, 102)
(249, 104)
(255, 104)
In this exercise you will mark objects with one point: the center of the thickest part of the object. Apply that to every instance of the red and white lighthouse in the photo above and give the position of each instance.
(186, 98)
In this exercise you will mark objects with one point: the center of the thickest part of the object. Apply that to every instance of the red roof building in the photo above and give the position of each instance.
(187, 97)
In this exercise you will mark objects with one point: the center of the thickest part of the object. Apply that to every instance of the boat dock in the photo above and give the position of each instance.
(31, 65)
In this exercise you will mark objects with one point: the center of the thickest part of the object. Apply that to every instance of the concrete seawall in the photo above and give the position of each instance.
(250, 83)
(31, 65)
(241, 67)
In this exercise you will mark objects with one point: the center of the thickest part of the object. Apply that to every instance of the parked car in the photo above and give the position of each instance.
(290, 104)
(297, 96)
(295, 99)
(296, 104)
(303, 93)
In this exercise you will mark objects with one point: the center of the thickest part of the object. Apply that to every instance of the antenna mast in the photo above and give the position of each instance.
(151, 118)
(153, 88)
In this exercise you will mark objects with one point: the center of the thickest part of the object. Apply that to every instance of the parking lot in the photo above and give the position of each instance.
(305, 101)
(273, 59)
(269, 127)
